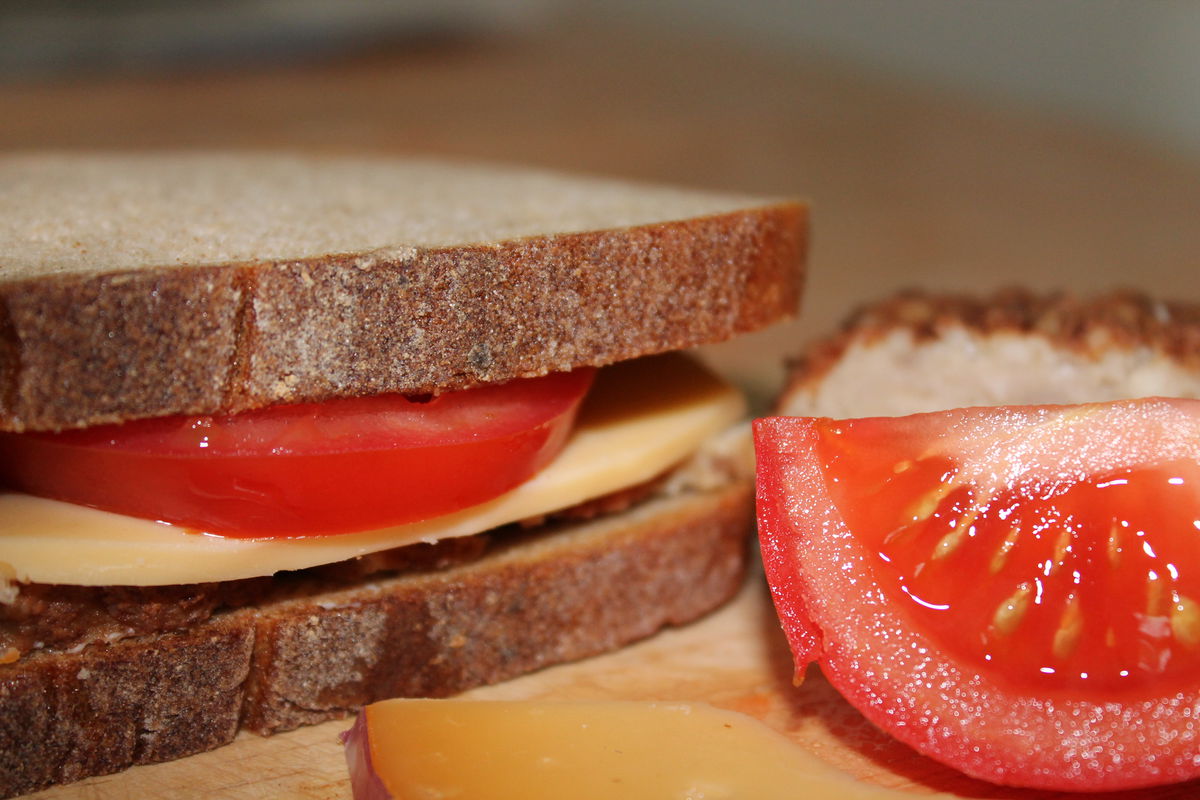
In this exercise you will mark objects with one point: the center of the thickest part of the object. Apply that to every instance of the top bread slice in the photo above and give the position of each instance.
(917, 352)
(146, 285)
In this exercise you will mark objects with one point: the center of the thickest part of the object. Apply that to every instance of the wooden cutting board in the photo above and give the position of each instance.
(736, 658)
(912, 187)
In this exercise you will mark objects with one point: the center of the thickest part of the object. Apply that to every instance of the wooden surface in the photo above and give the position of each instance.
(909, 187)
(734, 659)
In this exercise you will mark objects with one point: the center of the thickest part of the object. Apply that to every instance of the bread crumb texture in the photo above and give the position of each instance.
(90, 213)
(263, 279)
(917, 352)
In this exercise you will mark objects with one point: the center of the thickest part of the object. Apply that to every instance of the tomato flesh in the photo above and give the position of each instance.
(1011, 591)
(308, 469)
(1087, 587)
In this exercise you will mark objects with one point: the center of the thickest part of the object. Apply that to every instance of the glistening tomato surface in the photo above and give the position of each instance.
(308, 469)
(1012, 591)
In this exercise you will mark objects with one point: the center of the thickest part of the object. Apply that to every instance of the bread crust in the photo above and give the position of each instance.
(566, 592)
(1089, 327)
(69, 716)
(80, 349)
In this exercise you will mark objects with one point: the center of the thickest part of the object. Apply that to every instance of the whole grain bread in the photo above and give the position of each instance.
(146, 285)
(919, 351)
(562, 592)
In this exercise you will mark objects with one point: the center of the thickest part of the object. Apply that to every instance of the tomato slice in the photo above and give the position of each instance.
(1012, 591)
(309, 469)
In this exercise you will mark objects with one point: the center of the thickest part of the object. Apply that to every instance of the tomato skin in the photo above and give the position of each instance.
(836, 610)
(311, 469)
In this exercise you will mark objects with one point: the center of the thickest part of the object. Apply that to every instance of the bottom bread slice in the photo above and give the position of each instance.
(560, 593)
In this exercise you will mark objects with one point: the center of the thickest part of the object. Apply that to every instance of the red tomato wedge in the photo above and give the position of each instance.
(1012, 591)
(310, 469)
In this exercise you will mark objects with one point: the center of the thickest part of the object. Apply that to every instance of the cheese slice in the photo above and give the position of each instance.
(640, 418)
(585, 750)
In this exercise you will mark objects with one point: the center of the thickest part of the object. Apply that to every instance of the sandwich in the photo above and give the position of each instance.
(200, 355)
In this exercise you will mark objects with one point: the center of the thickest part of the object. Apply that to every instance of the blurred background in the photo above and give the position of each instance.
(956, 144)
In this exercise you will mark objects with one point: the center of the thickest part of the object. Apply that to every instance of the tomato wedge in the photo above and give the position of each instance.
(309, 469)
(1012, 591)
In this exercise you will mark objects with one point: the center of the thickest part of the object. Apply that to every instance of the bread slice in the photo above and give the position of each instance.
(917, 352)
(146, 285)
(558, 593)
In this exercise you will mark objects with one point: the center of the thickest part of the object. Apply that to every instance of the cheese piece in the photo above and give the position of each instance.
(584, 750)
(640, 418)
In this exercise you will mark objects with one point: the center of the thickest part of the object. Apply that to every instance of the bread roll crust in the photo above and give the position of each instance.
(1085, 329)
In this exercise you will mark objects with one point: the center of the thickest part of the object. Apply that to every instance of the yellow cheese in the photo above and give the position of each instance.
(589, 750)
(641, 417)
